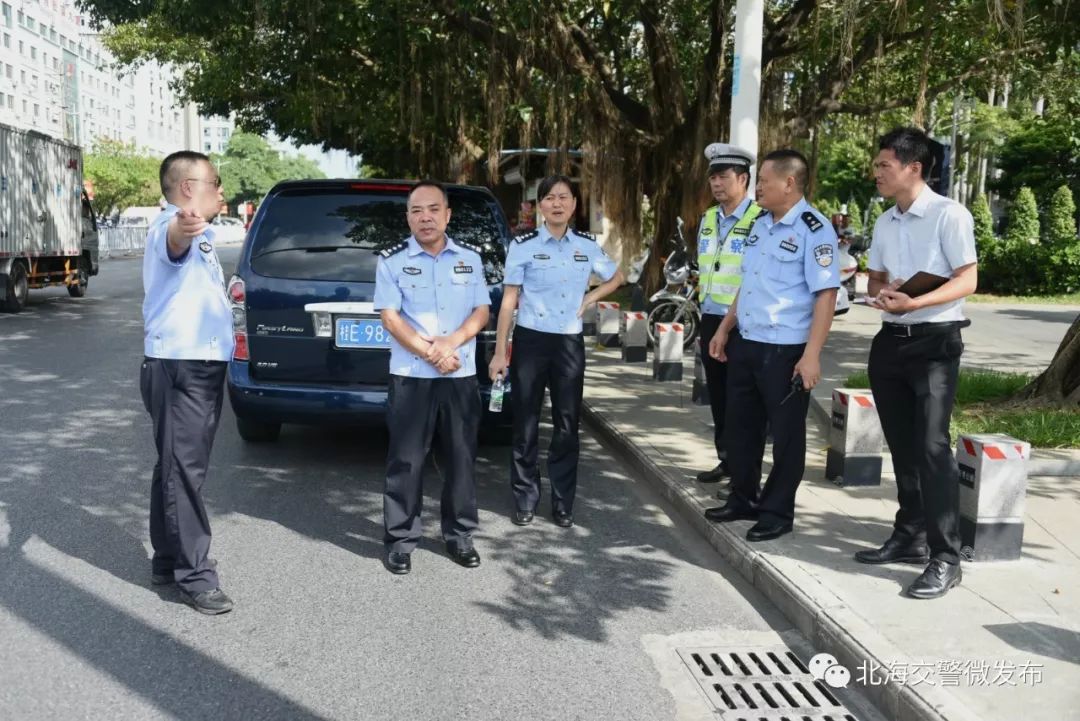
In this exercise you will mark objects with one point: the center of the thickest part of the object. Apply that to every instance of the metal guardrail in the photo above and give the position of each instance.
(121, 241)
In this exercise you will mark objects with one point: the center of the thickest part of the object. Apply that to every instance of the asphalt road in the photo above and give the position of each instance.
(556, 624)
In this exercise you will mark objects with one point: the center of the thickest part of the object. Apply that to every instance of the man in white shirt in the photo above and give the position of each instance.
(188, 341)
(915, 358)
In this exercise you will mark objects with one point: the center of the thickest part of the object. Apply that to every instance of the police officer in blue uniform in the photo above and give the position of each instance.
(188, 339)
(784, 311)
(547, 282)
(433, 298)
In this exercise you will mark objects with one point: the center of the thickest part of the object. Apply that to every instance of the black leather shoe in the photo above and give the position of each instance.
(727, 512)
(563, 520)
(895, 551)
(715, 475)
(398, 563)
(936, 580)
(762, 531)
(167, 577)
(523, 518)
(467, 557)
(211, 603)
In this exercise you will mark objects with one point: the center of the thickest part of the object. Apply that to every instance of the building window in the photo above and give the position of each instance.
(6, 14)
(206, 147)
(7, 40)
(33, 53)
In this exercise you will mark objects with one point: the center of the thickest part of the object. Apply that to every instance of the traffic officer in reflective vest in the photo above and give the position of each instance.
(433, 298)
(188, 341)
(722, 236)
(915, 359)
(547, 282)
(783, 310)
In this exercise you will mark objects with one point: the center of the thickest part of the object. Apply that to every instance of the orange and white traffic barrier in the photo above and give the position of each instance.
(993, 484)
(607, 330)
(667, 358)
(635, 337)
(855, 439)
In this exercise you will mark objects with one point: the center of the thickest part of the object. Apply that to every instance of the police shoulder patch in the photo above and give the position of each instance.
(823, 254)
(394, 249)
(526, 236)
(812, 221)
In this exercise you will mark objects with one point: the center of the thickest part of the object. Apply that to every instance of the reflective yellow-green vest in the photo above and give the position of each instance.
(720, 269)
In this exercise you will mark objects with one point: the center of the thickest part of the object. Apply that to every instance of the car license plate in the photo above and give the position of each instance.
(360, 333)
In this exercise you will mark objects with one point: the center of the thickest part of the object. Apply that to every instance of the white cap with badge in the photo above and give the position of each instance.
(722, 154)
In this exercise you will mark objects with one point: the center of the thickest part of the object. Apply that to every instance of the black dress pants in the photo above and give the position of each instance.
(554, 361)
(715, 380)
(417, 408)
(184, 399)
(914, 384)
(759, 379)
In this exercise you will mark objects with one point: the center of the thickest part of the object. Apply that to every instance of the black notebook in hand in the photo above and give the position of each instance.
(922, 283)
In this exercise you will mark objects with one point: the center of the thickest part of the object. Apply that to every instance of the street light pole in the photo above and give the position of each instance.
(746, 77)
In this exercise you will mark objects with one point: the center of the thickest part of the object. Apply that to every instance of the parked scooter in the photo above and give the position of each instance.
(678, 301)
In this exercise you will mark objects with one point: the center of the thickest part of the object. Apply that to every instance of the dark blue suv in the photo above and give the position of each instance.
(309, 346)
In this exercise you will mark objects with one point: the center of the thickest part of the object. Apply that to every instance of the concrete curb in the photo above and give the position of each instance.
(1043, 462)
(830, 627)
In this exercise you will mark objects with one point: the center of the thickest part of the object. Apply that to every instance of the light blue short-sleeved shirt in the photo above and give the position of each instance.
(186, 314)
(435, 294)
(554, 277)
(786, 263)
(724, 224)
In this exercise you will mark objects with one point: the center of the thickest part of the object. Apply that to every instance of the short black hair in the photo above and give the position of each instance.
(910, 145)
(187, 157)
(548, 184)
(428, 183)
(793, 163)
(737, 169)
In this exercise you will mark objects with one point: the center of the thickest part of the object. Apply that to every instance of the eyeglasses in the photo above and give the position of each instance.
(216, 182)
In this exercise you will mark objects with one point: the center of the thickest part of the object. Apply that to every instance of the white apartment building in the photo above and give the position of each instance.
(56, 78)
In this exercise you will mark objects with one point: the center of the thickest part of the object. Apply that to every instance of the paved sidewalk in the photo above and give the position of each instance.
(1005, 645)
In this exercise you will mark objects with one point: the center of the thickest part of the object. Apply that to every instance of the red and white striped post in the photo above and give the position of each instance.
(667, 360)
(993, 483)
(607, 331)
(855, 439)
(635, 337)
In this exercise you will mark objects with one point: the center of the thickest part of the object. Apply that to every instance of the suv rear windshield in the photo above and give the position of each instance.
(333, 234)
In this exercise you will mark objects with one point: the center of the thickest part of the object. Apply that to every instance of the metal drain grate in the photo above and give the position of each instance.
(762, 684)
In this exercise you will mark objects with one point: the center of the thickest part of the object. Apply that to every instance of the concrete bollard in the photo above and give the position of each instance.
(993, 482)
(635, 337)
(855, 439)
(607, 332)
(699, 396)
(667, 358)
(588, 321)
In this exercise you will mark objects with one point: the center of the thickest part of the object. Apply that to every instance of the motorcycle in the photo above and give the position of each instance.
(678, 301)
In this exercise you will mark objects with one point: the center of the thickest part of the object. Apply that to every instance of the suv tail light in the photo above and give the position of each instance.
(238, 303)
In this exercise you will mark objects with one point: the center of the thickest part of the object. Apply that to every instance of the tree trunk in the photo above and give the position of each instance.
(1059, 384)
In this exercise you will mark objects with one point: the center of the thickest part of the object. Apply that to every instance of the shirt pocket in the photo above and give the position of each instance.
(543, 275)
(416, 290)
(784, 266)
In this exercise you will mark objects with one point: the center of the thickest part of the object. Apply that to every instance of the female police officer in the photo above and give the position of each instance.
(547, 281)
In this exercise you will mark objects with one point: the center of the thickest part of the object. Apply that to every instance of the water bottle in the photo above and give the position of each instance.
(498, 390)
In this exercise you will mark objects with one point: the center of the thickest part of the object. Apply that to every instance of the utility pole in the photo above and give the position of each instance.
(746, 78)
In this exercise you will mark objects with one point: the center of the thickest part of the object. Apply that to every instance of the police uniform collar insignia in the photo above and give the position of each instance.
(387, 252)
(205, 247)
(823, 254)
(526, 236)
(410, 270)
(812, 221)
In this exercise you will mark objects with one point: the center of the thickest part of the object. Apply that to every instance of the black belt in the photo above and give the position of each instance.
(904, 330)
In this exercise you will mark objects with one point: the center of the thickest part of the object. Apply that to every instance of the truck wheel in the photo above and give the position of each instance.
(83, 274)
(257, 431)
(18, 289)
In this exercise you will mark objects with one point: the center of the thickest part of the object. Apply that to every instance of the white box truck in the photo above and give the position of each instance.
(48, 232)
